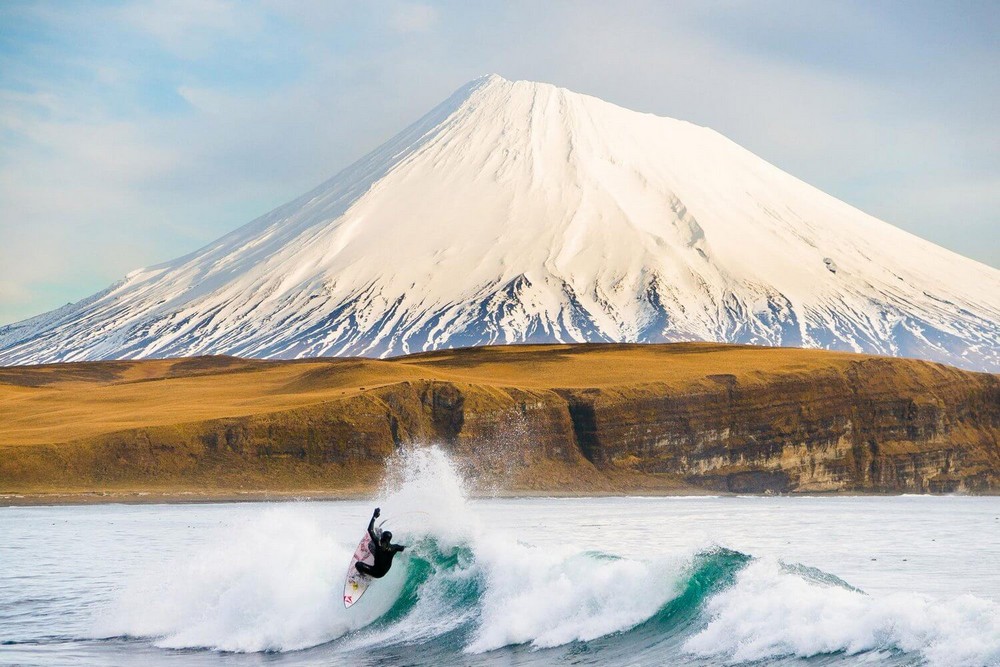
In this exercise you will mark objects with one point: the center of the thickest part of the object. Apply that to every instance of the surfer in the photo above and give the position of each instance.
(382, 548)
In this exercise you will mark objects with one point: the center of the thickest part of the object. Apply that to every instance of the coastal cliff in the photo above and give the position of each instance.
(520, 419)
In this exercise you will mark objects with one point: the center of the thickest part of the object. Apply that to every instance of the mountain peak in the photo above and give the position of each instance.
(517, 211)
(492, 78)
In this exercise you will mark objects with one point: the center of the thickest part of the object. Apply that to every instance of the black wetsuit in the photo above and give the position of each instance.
(383, 555)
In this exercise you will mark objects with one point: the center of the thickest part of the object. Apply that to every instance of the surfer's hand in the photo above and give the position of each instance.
(378, 511)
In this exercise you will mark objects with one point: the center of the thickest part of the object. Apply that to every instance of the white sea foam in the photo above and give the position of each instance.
(543, 597)
(549, 599)
(424, 494)
(273, 583)
(771, 612)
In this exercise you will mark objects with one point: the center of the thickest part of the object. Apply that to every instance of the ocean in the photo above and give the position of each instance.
(903, 580)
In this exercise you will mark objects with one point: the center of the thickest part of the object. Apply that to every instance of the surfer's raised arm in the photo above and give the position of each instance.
(371, 525)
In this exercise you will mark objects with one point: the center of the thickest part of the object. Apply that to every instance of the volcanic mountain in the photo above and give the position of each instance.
(522, 212)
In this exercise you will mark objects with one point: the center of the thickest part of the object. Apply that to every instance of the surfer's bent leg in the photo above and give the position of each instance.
(365, 568)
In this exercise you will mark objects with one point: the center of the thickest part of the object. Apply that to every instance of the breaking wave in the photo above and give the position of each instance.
(461, 594)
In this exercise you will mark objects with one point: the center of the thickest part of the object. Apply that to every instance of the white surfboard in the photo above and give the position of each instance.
(357, 583)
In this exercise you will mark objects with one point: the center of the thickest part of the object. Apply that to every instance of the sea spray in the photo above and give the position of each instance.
(423, 493)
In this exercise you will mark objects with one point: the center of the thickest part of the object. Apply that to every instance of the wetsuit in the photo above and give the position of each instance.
(383, 554)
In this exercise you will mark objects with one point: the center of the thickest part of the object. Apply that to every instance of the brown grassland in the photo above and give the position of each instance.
(58, 421)
(55, 403)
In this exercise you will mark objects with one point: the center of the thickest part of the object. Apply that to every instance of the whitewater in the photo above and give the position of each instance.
(531, 581)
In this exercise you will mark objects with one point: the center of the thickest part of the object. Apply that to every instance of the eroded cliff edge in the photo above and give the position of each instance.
(564, 419)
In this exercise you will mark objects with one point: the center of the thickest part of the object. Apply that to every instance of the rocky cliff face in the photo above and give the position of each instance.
(848, 424)
(873, 428)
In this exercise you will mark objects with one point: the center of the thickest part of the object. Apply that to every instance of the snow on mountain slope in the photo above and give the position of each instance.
(518, 211)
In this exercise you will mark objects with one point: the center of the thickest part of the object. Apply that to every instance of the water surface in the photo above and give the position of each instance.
(618, 581)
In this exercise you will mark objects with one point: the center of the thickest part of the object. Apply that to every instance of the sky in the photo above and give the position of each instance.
(135, 132)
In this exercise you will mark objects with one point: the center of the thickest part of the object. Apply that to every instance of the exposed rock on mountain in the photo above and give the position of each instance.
(522, 212)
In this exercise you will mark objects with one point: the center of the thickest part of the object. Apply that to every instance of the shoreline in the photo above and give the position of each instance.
(72, 499)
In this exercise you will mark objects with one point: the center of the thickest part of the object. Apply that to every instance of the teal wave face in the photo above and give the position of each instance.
(710, 572)
(449, 589)
(429, 560)
(447, 611)
(491, 600)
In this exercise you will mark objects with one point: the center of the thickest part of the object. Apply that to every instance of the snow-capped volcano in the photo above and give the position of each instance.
(519, 211)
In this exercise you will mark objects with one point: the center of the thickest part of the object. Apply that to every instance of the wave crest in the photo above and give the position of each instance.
(460, 593)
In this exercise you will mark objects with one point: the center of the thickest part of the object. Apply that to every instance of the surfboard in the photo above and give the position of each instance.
(357, 583)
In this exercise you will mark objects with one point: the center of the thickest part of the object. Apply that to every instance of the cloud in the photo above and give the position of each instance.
(411, 17)
(192, 29)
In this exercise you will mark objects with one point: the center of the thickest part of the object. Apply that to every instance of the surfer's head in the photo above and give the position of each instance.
(386, 536)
